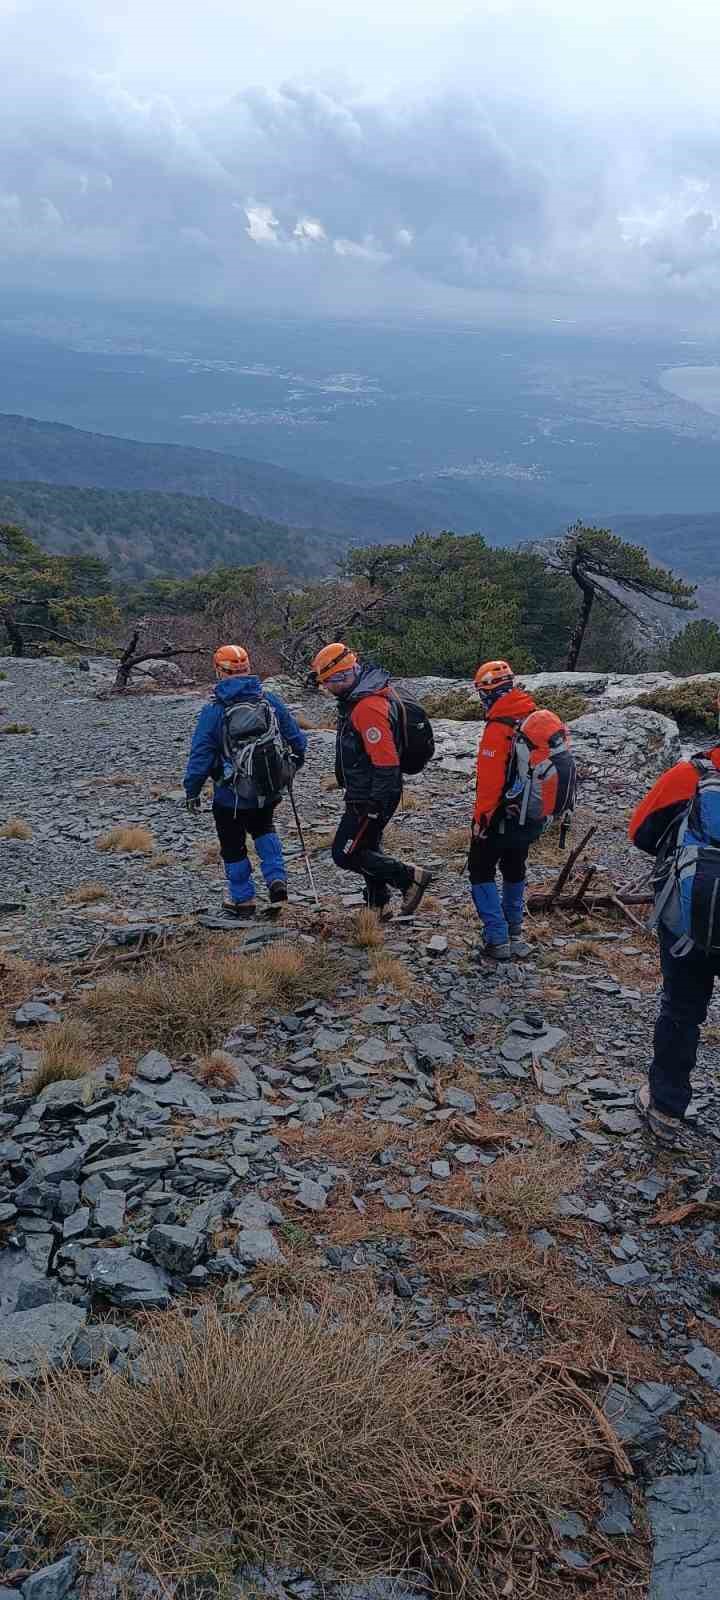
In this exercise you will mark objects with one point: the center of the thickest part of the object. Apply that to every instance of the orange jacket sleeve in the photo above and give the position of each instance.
(492, 760)
(371, 720)
(662, 805)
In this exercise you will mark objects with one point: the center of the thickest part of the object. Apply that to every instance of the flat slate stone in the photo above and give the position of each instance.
(154, 1067)
(631, 1273)
(556, 1122)
(311, 1196)
(705, 1363)
(118, 1276)
(256, 1245)
(180, 1092)
(44, 1335)
(684, 1520)
(34, 1013)
(52, 1583)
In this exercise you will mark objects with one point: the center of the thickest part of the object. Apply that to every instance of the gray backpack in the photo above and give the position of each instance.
(257, 762)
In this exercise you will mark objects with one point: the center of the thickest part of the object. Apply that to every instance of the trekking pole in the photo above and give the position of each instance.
(303, 845)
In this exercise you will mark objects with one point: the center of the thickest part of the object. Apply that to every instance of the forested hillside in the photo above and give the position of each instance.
(149, 534)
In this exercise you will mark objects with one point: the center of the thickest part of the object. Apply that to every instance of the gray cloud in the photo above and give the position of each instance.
(309, 195)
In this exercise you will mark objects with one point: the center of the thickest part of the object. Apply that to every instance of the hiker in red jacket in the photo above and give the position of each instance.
(496, 841)
(678, 823)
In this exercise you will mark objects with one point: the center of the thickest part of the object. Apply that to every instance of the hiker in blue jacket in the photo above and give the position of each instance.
(238, 808)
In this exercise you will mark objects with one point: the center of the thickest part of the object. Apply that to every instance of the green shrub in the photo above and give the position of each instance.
(691, 705)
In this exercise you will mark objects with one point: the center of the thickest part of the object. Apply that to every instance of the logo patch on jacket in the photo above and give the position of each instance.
(373, 735)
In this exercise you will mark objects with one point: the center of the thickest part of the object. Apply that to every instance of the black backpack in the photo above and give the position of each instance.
(413, 733)
(257, 761)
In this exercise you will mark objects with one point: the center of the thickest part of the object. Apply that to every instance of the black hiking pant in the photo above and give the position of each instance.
(687, 990)
(357, 847)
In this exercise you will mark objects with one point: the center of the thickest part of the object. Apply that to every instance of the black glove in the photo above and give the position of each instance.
(192, 804)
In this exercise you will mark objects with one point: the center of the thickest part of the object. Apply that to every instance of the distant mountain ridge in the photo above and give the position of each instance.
(52, 452)
(147, 533)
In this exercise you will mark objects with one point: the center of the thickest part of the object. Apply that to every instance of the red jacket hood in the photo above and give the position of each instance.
(516, 703)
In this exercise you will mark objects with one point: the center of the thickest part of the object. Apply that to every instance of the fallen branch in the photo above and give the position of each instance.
(604, 900)
(129, 660)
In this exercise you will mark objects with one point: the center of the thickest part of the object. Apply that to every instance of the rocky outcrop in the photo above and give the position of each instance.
(634, 738)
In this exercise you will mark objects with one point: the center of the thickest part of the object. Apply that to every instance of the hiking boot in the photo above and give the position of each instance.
(278, 892)
(497, 952)
(519, 947)
(669, 1131)
(240, 910)
(422, 878)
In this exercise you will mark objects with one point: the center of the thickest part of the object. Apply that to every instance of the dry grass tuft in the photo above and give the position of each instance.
(188, 1002)
(366, 930)
(523, 1190)
(16, 727)
(389, 972)
(18, 979)
(87, 894)
(410, 801)
(309, 1442)
(217, 1070)
(321, 841)
(65, 1054)
(453, 842)
(15, 828)
(210, 855)
(134, 839)
(329, 783)
(161, 860)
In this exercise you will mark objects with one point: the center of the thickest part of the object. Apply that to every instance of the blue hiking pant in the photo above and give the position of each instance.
(233, 828)
(687, 990)
(501, 919)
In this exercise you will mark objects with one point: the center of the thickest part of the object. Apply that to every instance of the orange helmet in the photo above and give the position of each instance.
(331, 659)
(492, 675)
(231, 660)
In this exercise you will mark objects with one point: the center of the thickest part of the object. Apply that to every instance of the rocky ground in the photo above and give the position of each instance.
(461, 1138)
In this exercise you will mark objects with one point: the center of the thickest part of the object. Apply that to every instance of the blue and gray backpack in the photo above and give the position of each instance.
(687, 871)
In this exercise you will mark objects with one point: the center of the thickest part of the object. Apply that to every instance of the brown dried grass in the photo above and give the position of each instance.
(18, 979)
(366, 929)
(325, 1443)
(135, 840)
(188, 1002)
(16, 727)
(65, 1054)
(87, 894)
(389, 972)
(16, 828)
(217, 1070)
(523, 1190)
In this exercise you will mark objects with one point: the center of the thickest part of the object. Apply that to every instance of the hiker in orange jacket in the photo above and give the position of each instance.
(496, 841)
(368, 769)
(686, 797)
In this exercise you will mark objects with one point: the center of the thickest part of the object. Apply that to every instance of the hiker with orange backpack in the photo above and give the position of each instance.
(525, 776)
(379, 737)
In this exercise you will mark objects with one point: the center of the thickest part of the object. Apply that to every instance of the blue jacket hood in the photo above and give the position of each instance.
(243, 687)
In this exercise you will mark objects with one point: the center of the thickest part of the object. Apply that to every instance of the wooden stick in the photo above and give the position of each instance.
(564, 874)
(636, 923)
(587, 880)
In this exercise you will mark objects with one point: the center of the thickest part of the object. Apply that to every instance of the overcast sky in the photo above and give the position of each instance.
(556, 160)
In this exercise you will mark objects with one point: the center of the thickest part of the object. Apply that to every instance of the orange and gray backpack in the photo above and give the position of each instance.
(542, 772)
